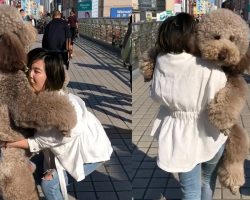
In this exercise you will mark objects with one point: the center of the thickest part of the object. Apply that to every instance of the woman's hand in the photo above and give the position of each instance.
(22, 144)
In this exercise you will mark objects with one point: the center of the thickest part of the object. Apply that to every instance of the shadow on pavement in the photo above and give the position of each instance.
(244, 190)
(149, 181)
(104, 100)
(108, 60)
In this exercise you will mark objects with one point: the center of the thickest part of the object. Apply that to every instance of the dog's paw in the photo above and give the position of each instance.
(235, 190)
(232, 177)
(147, 70)
(226, 132)
(64, 129)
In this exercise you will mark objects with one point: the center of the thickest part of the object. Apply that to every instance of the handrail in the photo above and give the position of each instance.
(143, 37)
(113, 30)
(109, 30)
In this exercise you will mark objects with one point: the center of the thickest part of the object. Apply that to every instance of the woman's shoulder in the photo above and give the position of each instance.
(173, 57)
(77, 101)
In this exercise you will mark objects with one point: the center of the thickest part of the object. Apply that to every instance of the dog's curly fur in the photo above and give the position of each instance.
(21, 107)
(222, 37)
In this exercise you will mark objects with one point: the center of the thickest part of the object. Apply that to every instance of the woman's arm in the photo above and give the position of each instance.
(23, 144)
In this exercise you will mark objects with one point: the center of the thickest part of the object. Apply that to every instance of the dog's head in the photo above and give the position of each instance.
(15, 38)
(222, 37)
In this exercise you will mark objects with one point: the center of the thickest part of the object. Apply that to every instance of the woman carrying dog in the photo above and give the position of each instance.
(80, 153)
(184, 84)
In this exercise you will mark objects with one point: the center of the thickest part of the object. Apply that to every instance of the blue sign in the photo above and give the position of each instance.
(120, 12)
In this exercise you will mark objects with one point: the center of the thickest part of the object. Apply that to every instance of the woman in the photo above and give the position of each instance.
(184, 84)
(82, 152)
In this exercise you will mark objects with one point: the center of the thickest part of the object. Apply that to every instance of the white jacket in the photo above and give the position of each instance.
(184, 85)
(88, 143)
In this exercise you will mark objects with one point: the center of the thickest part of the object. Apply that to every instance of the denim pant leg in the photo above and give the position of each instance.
(191, 184)
(90, 167)
(51, 188)
(209, 175)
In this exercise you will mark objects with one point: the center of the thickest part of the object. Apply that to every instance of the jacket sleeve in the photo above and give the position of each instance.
(45, 140)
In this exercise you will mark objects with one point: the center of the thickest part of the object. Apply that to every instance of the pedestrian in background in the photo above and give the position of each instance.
(23, 14)
(126, 51)
(56, 37)
(73, 24)
(47, 18)
(184, 85)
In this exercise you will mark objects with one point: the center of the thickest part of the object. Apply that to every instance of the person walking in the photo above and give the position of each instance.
(126, 51)
(73, 24)
(56, 37)
(184, 85)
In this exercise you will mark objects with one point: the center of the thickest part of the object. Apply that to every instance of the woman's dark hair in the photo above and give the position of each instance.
(54, 67)
(176, 34)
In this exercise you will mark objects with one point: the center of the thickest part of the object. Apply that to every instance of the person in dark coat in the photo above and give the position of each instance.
(56, 37)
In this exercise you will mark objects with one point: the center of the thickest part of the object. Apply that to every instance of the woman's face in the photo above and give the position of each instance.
(37, 76)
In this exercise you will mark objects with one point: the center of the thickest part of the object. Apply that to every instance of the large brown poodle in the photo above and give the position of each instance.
(222, 37)
(21, 107)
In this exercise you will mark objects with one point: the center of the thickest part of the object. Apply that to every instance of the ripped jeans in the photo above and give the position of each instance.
(199, 183)
(51, 188)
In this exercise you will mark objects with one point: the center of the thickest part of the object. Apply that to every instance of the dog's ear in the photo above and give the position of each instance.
(147, 63)
(244, 64)
(12, 54)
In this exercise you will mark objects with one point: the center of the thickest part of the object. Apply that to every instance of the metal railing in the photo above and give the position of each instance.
(109, 30)
(113, 30)
(143, 37)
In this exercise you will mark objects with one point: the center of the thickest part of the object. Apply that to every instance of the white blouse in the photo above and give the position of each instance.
(88, 143)
(184, 85)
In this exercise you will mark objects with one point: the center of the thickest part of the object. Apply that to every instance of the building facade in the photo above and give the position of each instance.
(108, 4)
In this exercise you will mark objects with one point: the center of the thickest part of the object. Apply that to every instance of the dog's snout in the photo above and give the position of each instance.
(222, 55)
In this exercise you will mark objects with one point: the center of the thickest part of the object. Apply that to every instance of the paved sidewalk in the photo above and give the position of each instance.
(149, 182)
(99, 78)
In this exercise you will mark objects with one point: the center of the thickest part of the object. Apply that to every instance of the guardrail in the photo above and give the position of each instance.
(108, 30)
(143, 37)
(113, 30)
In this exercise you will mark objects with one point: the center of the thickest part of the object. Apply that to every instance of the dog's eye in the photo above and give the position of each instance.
(231, 38)
(217, 37)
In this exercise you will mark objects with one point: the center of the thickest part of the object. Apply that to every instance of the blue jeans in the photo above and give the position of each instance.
(51, 188)
(199, 183)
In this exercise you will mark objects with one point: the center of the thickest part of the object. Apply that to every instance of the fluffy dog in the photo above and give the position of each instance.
(222, 37)
(21, 107)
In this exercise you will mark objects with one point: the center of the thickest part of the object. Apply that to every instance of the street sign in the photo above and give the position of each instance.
(164, 15)
(120, 12)
(85, 6)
